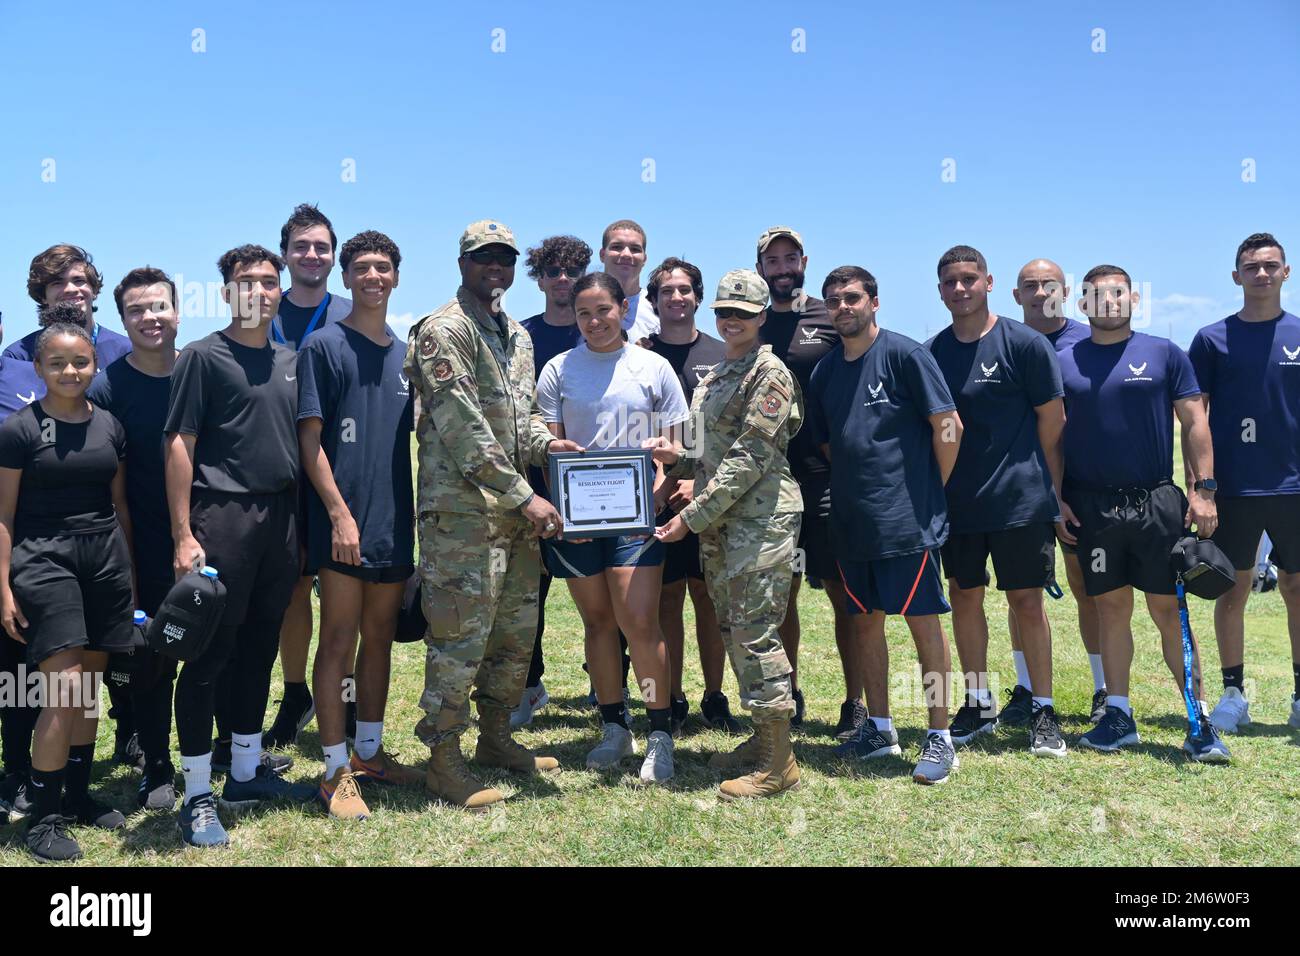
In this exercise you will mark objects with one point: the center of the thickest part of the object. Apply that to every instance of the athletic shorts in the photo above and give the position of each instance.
(390, 574)
(1243, 520)
(568, 560)
(1023, 557)
(1126, 536)
(908, 584)
(681, 558)
(815, 532)
(75, 591)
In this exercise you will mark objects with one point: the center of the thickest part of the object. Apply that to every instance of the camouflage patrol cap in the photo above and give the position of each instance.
(779, 232)
(486, 232)
(742, 289)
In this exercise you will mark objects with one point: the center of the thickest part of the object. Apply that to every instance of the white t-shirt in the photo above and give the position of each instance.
(640, 321)
(611, 399)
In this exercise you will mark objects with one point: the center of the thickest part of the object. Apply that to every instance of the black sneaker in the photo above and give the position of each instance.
(1116, 729)
(852, 714)
(797, 719)
(870, 744)
(715, 710)
(158, 787)
(1045, 738)
(276, 763)
(971, 721)
(679, 708)
(90, 812)
(49, 841)
(296, 712)
(127, 752)
(1098, 706)
(1019, 709)
(13, 797)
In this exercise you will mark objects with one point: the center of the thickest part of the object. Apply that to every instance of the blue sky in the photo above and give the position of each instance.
(1134, 155)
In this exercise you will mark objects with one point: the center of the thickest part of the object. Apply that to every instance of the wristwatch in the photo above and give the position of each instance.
(1205, 484)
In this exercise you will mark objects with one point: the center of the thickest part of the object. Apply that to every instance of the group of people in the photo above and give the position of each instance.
(805, 440)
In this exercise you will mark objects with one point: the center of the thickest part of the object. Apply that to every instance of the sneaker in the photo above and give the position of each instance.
(1116, 729)
(49, 841)
(1019, 709)
(534, 699)
(1232, 712)
(971, 721)
(1098, 706)
(1294, 719)
(715, 710)
(616, 742)
(797, 719)
(276, 763)
(938, 760)
(658, 764)
(157, 788)
(1045, 738)
(342, 796)
(127, 753)
(870, 743)
(13, 797)
(92, 813)
(199, 824)
(852, 715)
(680, 708)
(265, 785)
(1207, 747)
(382, 768)
(295, 713)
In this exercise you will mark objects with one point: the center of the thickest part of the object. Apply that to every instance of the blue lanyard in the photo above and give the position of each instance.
(275, 325)
(94, 337)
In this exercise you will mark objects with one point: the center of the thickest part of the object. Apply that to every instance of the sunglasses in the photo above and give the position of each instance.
(553, 272)
(734, 314)
(501, 257)
(850, 299)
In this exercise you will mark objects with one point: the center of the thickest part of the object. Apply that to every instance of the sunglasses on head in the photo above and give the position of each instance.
(553, 272)
(501, 257)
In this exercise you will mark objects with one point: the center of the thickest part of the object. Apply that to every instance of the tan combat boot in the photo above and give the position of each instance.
(448, 779)
(747, 755)
(777, 773)
(496, 748)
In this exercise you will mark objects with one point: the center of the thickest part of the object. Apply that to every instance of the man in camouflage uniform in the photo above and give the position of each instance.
(479, 428)
(746, 510)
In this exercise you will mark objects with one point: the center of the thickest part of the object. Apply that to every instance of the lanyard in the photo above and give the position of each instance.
(278, 334)
(94, 337)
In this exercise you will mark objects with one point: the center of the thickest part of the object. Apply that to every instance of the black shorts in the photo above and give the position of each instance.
(1243, 520)
(682, 560)
(815, 531)
(391, 574)
(75, 591)
(1023, 557)
(907, 584)
(1126, 536)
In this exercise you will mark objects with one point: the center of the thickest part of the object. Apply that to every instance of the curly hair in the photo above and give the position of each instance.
(247, 255)
(562, 251)
(50, 332)
(47, 266)
(369, 241)
(1259, 240)
(62, 313)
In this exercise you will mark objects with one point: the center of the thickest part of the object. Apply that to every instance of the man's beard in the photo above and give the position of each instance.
(311, 282)
(798, 278)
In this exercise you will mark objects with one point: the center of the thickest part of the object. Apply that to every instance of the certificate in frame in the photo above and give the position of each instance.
(600, 494)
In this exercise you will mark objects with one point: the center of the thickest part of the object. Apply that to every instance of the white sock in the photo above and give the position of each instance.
(1120, 702)
(245, 755)
(1042, 702)
(1022, 670)
(947, 737)
(883, 724)
(198, 775)
(1098, 675)
(370, 734)
(336, 755)
(1204, 708)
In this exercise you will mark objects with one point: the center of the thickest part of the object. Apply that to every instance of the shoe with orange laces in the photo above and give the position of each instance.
(342, 797)
(382, 768)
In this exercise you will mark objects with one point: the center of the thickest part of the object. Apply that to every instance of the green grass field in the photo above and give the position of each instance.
(1147, 806)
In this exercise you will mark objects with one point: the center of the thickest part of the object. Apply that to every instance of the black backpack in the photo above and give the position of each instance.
(189, 616)
(137, 668)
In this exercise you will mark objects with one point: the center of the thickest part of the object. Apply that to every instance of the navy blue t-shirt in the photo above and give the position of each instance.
(358, 390)
(1251, 371)
(109, 347)
(548, 342)
(1001, 479)
(139, 402)
(886, 490)
(19, 386)
(1068, 334)
(1119, 410)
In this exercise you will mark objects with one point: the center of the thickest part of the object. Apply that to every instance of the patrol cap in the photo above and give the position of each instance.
(778, 232)
(742, 289)
(486, 232)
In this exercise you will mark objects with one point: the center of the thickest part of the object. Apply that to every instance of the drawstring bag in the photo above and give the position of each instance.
(189, 616)
(135, 669)
(1204, 568)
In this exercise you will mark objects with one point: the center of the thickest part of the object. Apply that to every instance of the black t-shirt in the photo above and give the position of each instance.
(293, 322)
(691, 361)
(68, 470)
(886, 489)
(1001, 478)
(549, 340)
(359, 392)
(139, 402)
(800, 340)
(241, 403)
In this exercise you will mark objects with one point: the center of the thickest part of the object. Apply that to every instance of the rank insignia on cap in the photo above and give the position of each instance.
(739, 287)
(492, 227)
(442, 370)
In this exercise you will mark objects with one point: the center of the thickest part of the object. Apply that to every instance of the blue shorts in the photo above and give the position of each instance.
(565, 559)
(910, 585)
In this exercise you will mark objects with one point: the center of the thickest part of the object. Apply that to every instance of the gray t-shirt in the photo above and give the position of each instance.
(611, 399)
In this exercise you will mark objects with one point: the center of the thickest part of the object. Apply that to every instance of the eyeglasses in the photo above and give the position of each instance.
(734, 314)
(850, 299)
(500, 257)
(553, 272)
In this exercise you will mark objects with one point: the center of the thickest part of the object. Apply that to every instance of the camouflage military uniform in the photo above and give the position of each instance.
(746, 511)
(479, 428)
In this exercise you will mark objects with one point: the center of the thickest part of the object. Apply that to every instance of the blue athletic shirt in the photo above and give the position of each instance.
(1068, 334)
(109, 347)
(886, 490)
(1251, 372)
(1119, 410)
(19, 386)
(359, 391)
(1001, 479)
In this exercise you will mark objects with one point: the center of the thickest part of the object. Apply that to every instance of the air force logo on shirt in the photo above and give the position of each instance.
(406, 383)
(1291, 355)
(877, 393)
(1137, 371)
(989, 372)
(26, 399)
(809, 335)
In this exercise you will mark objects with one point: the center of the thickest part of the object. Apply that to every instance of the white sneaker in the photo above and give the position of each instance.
(534, 699)
(1232, 712)
(1294, 719)
(658, 764)
(616, 742)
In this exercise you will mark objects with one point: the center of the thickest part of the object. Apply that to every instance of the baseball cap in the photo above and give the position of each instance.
(777, 232)
(742, 289)
(486, 232)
